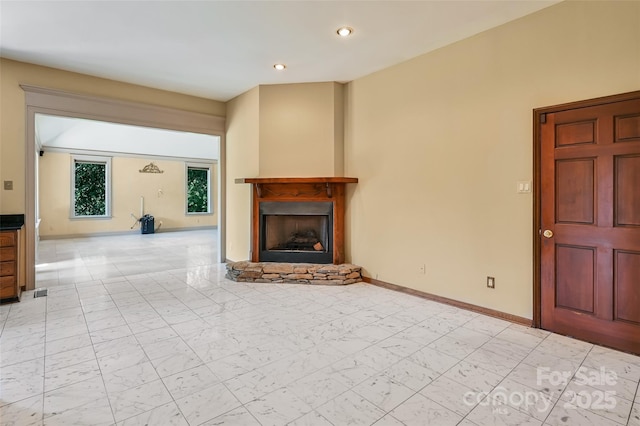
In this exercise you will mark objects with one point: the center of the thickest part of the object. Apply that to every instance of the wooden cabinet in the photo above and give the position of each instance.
(9, 255)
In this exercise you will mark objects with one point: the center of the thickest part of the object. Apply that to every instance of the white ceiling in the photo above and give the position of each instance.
(98, 137)
(220, 49)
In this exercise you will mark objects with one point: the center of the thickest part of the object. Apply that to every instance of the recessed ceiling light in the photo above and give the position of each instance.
(344, 31)
(279, 67)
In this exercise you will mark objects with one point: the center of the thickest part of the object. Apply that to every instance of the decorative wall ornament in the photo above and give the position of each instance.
(151, 168)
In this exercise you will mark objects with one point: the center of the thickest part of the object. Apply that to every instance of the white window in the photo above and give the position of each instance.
(198, 180)
(90, 186)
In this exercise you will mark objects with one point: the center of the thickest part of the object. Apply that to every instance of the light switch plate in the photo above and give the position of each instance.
(8, 185)
(523, 186)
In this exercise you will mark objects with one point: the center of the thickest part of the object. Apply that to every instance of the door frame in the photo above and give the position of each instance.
(74, 105)
(538, 119)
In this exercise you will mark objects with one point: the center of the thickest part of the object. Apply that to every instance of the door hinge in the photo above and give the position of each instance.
(543, 118)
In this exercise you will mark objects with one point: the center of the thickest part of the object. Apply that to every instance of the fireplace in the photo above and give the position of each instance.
(297, 232)
(298, 220)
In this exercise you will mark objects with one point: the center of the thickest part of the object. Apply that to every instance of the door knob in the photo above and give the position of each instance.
(548, 233)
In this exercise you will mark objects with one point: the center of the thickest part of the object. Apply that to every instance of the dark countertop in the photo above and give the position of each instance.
(10, 222)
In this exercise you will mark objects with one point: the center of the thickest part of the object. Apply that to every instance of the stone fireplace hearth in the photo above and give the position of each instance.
(294, 273)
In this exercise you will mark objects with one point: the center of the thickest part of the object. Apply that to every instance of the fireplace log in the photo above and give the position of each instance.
(318, 246)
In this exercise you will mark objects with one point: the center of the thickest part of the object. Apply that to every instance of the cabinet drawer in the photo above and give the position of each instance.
(8, 287)
(7, 268)
(9, 280)
(7, 253)
(7, 239)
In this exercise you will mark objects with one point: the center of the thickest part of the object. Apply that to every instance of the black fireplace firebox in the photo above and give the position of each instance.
(296, 232)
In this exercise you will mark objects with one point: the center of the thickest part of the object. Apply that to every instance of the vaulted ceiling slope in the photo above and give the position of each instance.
(97, 137)
(220, 49)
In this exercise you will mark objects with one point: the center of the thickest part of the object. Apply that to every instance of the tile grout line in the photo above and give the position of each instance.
(96, 357)
(503, 378)
(44, 358)
(147, 356)
(250, 294)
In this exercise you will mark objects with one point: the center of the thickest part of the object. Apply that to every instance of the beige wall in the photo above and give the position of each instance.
(297, 129)
(440, 141)
(338, 129)
(12, 113)
(13, 120)
(164, 197)
(287, 130)
(243, 113)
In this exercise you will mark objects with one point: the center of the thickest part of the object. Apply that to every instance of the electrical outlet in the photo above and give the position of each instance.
(423, 269)
(8, 185)
(491, 282)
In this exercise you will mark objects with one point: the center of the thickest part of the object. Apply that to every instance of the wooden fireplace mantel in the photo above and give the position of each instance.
(328, 182)
(319, 189)
(300, 180)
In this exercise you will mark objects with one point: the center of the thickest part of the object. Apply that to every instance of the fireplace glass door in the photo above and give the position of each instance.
(296, 232)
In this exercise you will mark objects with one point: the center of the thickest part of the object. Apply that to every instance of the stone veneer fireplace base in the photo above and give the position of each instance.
(293, 273)
(297, 230)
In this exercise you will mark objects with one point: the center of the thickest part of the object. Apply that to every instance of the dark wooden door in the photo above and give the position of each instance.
(590, 222)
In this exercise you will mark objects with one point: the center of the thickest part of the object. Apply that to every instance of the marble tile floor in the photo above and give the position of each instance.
(145, 330)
